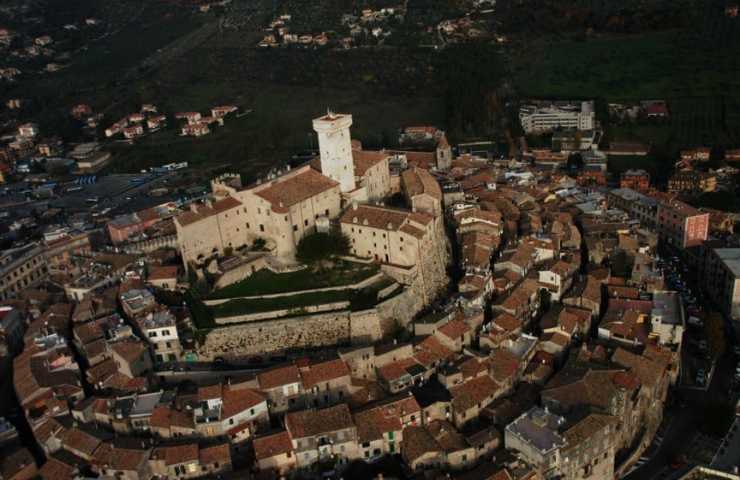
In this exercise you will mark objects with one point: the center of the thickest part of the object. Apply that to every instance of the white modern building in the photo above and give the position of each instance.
(546, 116)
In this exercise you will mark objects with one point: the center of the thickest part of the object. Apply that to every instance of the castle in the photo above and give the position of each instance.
(285, 207)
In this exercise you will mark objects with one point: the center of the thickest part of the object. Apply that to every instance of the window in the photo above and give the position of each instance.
(305, 223)
(295, 228)
(262, 228)
(152, 334)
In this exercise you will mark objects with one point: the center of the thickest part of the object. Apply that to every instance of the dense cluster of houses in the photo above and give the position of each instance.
(552, 358)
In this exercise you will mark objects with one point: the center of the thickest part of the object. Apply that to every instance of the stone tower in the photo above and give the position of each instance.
(444, 154)
(335, 146)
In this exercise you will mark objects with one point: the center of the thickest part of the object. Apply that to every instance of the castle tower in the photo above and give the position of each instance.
(335, 146)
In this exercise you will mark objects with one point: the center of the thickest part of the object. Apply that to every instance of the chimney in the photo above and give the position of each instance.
(354, 205)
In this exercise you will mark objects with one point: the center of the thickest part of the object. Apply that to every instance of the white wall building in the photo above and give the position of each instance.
(546, 116)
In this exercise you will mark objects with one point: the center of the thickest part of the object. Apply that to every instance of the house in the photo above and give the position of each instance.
(325, 383)
(131, 357)
(322, 434)
(422, 191)
(274, 453)
(197, 129)
(638, 180)
(176, 461)
(471, 397)
(17, 464)
(225, 408)
(283, 387)
(122, 462)
(454, 335)
(436, 445)
(164, 277)
(380, 427)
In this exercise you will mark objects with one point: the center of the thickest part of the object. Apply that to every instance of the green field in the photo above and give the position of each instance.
(628, 67)
(265, 282)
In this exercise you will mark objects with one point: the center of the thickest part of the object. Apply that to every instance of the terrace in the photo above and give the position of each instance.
(266, 282)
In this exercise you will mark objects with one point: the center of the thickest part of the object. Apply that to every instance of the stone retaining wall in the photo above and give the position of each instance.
(309, 331)
(272, 314)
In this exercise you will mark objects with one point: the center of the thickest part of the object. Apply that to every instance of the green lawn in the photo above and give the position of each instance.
(359, 300)
(265, 282)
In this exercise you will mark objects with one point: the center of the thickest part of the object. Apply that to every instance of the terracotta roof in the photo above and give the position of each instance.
(130, 351)
(323, 372)
(375, 217)
(160, 417)
(175, 455)
(417, 441)
(80, 441)
(15, 462)
(572, 388)
(272, 445)
(503, 364)
(216, 454)
(210, 392)
(507, 322)
(309, 423)
(374, 423)
(237, 400)
(418, 181)
(162, 273)
(646, 370)
(433, 346)
(120, 458)
(283, 194)
(584, 430)
(54, 469)
(397, 369)
(278, 377)
(454, 329)
(473, 392)
(220, 206)
(364, 160)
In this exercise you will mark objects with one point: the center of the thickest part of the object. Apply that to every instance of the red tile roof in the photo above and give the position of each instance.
(272, 445)
(323, 372)
(278, 377)
(283, 194)
(220, 206)
(309, 423)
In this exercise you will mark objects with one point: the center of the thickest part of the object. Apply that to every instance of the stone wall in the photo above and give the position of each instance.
(308, 331)
(256, 338)
(272, 314)
(147, 246)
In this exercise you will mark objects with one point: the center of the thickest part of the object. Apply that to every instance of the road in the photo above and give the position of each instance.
(686, 421)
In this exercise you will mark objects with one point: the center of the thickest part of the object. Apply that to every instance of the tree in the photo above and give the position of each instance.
(320, 246)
